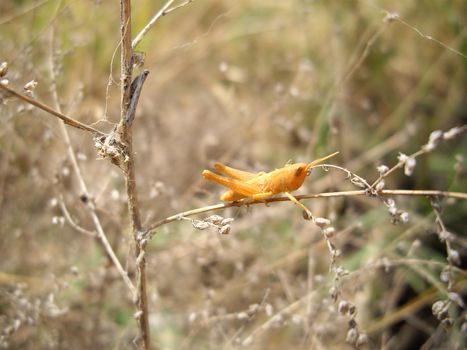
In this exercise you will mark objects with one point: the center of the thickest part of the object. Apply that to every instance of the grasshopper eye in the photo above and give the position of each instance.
(299, 171)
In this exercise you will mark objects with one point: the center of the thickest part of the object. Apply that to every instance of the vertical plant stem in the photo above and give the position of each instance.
(126, 55)
(125, 133)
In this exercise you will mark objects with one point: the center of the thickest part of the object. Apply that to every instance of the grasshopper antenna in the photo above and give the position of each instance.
(319, 160)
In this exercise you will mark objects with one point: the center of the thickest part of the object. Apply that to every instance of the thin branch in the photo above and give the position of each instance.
(162, 12)
(151, 23)
(166, 12)
(214, 207)
(22, 12)
(67, 120)
(358, 62)
(399, 165)
(453, 256)
(427, 148)
(396, 17)
(104, 241)
(72, 222)
(425, 193)
(290, 309)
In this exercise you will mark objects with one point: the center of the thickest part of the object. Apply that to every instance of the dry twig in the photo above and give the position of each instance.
(162, 12)
(67, 120)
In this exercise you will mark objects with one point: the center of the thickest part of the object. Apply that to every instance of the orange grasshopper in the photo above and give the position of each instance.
(243, 184)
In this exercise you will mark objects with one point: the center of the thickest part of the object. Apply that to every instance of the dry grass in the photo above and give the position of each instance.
(253, 84)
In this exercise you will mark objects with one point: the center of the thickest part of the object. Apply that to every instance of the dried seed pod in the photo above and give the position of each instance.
(242, 316)
(253, 308)
(433, 141)
(446, 275)
(352, 336)
(269, 309)
(455, 297)
(321, 222)
(192, 317)
(306, 215)
(329, 232)
(226, 221)
(340, 271)
(224, 230)
(440, 309)
(451, 133)
(454, 257)
(404, 217)
(343, 307)
(200, 225)
(390, 17)
(382, 169)
(380, 186)
(358, 182)
(402, 158)
(409, 166)
(215, 219)
(352, 310)
(3, 69)
(334, 292)
(361, 340)
(30, 86)
(445, 236)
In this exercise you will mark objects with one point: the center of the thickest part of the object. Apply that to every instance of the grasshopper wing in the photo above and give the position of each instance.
(234, 173)
(238, 186)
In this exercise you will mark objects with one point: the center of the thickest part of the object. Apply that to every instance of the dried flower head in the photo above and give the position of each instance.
(362, 339)
(343, 307)
(224, 230)
(214, 219)
(3, 69)
(390, 17)
(382, 169)
(321, 222)
(200, 225)
(328, 232)
(352, 336)
(440, 309)
(30, 86)
(451, 133)
(454, 257)
(380, 186)
(433, 141)
(409, 166)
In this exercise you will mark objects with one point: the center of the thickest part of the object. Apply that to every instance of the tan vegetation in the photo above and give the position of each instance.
(256, 85)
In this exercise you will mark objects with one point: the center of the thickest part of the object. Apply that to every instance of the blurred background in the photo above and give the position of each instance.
(253, 84)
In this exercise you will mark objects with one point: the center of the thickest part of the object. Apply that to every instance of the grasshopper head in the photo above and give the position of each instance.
(299, 171)
(296, 174)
